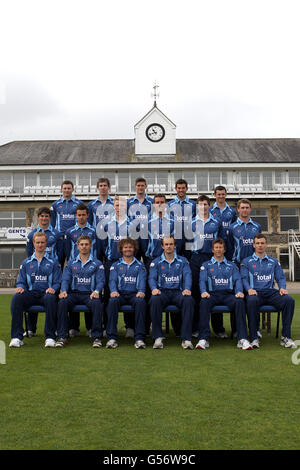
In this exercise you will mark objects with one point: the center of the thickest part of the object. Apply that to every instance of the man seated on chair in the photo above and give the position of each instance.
(54, 250)
(38, 284)
(127, 284)
(259, 273)
(220, 284)
(82, 283)
(170, 281)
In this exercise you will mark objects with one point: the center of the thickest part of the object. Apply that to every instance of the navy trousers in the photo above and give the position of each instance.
(115, 305)
(172, 297)
(222, 298)
(284, 303)
(79, 298)
(19, 304)
(197, 259)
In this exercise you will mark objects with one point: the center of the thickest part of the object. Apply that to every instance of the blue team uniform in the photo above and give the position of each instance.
(100, 214)
(260, 274)
(171, 279)
(182, 213)
(80, 280)
(72, 235)
(226, 216)
(205, 233)
(127, 279)
(35, 278)
(54, 248)
(222, 280)
(139, 213)
(158, 228)
(242, 234)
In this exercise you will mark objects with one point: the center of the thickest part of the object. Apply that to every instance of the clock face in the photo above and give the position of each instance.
(155, 132)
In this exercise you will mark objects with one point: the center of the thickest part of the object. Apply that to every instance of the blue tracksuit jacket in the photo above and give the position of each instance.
(217, 276)
(54, 248)
(39, 276)
(158, 228)
(205, 233)
(63, 213)
(226, 216)
(261, 273)
(83, 277)
(243, 234)
(176, 275)
(182, 213)
(100, 212)
(72, 235)
(139, 210)
(127, 278)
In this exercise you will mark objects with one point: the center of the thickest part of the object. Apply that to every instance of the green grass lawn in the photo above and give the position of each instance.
(85, 398)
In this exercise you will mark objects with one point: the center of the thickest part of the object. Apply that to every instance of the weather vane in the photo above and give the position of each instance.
(155, 93)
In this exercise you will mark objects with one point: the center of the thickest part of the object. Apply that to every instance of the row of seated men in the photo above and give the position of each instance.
(169, 279)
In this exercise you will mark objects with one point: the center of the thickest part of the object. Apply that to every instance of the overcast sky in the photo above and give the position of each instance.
(85, 69)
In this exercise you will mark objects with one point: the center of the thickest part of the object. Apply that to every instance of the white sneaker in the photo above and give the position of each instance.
(16, 343)
(244, 344)
(202, 344)
(112, 344)
(158, 343)
(255, 344)
(50, 343)
(30, 334)
(221, 335)
(73, 333)
(187, 344)
(129, 333)
(139, 344)
(287, 343)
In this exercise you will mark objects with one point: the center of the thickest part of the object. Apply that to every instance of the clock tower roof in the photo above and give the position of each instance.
(154, 110)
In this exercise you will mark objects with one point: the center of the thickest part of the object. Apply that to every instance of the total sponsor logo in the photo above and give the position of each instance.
(171, 278)
(221, 281)
(84, 280)
(264, 277)
(247, 241)
(68, 216)
(41, 278)
(129, 279)
(206, 236)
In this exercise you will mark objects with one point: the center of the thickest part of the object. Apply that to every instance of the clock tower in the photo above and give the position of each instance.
(155, 133)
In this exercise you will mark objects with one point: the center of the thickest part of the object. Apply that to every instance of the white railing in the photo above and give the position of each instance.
(294, 246)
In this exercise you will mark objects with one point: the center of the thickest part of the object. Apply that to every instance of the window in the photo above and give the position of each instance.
(30, 179)
(202, 181)
(253, 177)
(284, 258)
(289, 219)
(70, 176)
(84, 178)
(11, 258)
(57, 179)
(189, 176)
(163, 178)
(12, 219)
(176, 175)
(267, 180)
(280, 177)
(123, 182)
(45, 179)
(18, 182)
(261, 216)
(214, 179)
(5, 179)
(294, 177)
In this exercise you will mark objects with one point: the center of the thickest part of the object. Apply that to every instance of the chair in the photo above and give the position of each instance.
(268, 309)
(224, 309)
(41, 309)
